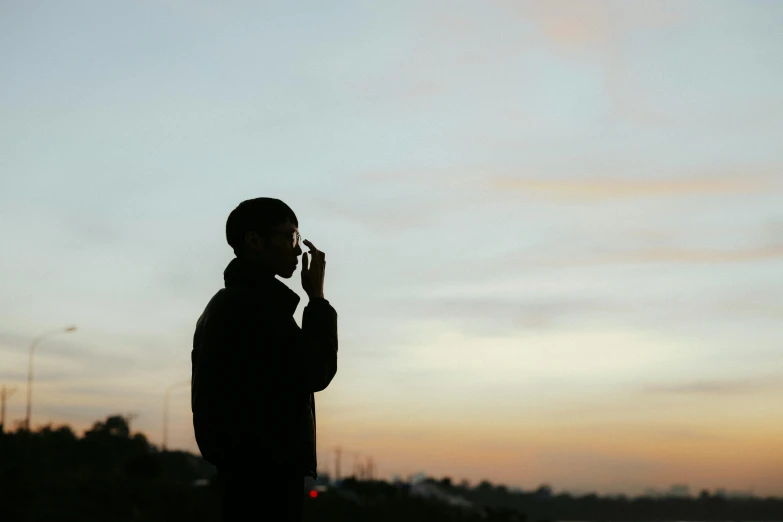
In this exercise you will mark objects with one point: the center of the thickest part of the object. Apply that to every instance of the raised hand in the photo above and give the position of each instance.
(313, 269)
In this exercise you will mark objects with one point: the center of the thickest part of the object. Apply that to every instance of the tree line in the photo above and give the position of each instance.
(109, 474)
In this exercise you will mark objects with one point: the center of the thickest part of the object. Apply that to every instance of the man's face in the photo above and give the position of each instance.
(280, 250)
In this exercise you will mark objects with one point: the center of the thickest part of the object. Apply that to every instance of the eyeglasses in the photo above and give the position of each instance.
(293, 234)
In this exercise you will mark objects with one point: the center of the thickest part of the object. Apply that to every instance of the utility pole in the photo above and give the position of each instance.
(128, 418)
(30, 370)
(337, 451)
(4, 394)
(166, 410)
(358, 469)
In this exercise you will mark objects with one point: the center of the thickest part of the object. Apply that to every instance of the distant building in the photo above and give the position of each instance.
(324, 479)
(679, 491)
(544, 492)
(320, 484)
(739, 494)
(435, 492)
(721, 492)
(418, 477)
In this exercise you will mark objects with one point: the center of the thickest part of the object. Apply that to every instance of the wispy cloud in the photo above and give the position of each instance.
(482, 275)
(381, 215)
(718, 386)
(572, 25)
(613, 189)
(705, 256)
(486, 315)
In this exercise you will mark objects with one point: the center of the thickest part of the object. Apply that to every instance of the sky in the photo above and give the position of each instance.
(554, 229)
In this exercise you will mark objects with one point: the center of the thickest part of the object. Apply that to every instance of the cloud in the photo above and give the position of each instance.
(379, 214)
(572, 25)
(651, 431)
(707, 256)
(568, 25)
(479, 278)
(718, 386)
(617, 189)
(495, 316)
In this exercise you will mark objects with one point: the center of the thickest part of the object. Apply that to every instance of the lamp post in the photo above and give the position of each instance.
(30, 369)
(4, 394)
(166, 409)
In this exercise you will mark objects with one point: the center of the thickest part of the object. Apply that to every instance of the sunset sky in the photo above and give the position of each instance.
(554, 229)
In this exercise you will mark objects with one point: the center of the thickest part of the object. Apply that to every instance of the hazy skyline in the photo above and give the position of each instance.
(555, 229)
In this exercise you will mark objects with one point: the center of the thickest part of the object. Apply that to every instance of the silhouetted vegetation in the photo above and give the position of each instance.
(109, 474)
(542, 504)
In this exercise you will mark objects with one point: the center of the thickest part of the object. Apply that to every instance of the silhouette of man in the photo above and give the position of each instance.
(255, 371)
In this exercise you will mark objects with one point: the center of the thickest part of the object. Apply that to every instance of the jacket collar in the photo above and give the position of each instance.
(246, 272)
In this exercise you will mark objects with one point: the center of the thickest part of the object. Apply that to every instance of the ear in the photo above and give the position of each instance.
(253, 242)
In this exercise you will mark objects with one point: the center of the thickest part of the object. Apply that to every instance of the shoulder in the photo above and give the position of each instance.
(235, 298)
(234, 303)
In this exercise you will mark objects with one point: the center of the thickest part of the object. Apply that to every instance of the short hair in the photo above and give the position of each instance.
(256, 215)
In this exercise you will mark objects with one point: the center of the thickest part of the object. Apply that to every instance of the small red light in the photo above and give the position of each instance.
(313, 493)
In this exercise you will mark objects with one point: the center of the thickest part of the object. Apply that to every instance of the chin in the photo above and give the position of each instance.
(287, 274)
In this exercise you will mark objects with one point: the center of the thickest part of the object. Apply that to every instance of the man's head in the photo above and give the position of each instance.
(266, 230)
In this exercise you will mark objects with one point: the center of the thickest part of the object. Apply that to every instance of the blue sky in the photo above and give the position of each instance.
(554, 228)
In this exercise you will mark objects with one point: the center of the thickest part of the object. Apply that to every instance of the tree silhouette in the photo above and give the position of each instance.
(107, 474)
(112, 474)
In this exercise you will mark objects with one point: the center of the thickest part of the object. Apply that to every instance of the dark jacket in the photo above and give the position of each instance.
(255, 372)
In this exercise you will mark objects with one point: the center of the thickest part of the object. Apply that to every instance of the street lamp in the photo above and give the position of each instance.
(30, 369)
(166, 409)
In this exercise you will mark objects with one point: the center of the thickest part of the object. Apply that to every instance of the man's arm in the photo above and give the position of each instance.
(317, 340)
(274, 355)
(317, 344)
